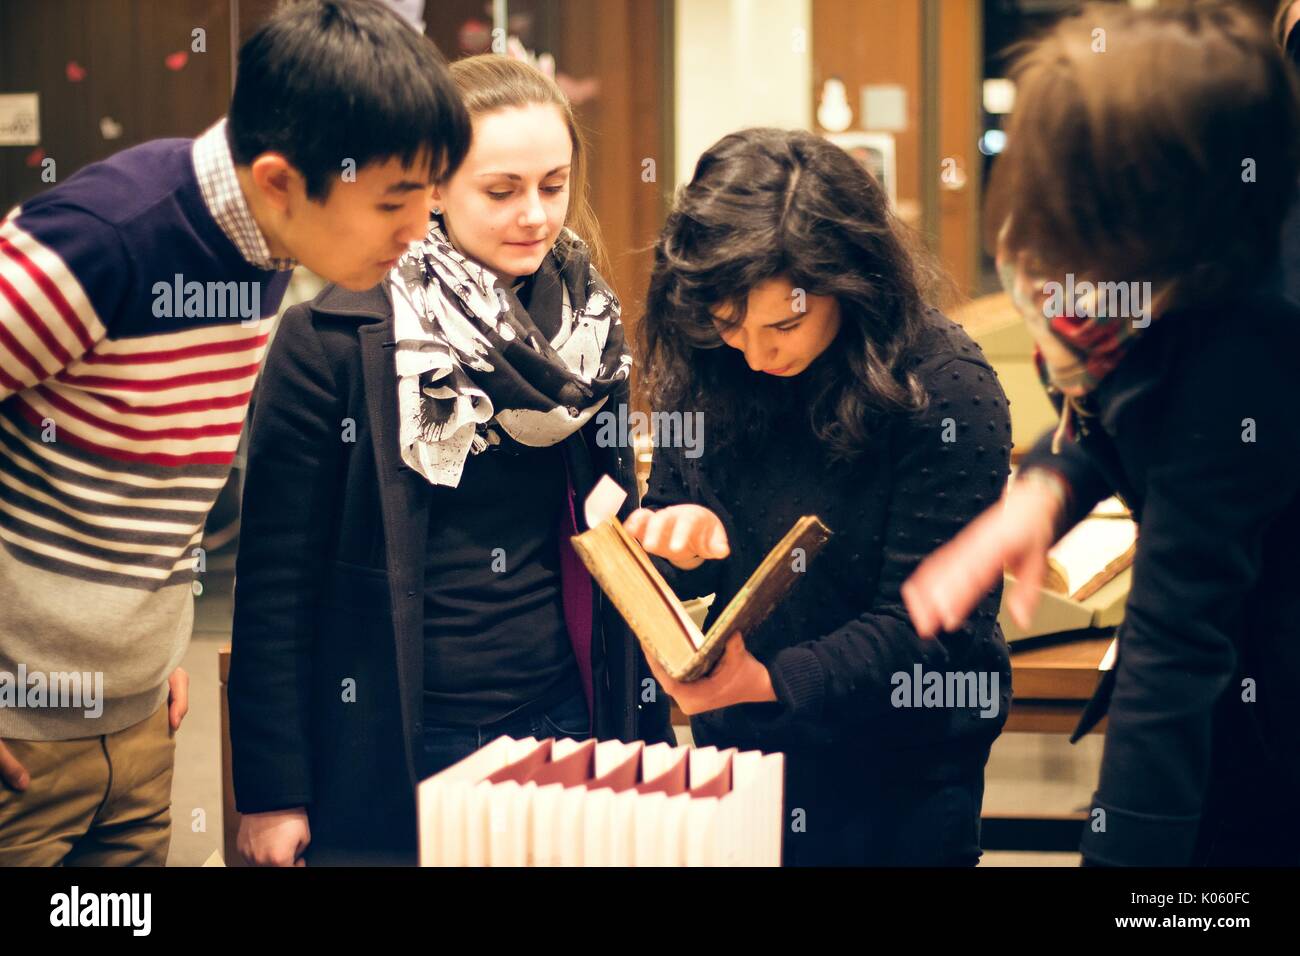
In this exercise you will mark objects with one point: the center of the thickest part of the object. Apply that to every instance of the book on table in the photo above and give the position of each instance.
(1089, 571)
(1093, 552)
(664, 625)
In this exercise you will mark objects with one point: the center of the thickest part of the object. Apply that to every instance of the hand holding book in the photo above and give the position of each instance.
(665, 627)
(688, 535)
(737, 678)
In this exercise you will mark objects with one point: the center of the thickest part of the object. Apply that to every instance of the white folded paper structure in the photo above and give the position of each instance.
(560, 802)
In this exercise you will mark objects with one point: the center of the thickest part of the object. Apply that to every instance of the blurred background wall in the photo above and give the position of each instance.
(914, 88)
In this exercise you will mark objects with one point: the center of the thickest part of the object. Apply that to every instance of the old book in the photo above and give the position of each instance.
(625, 573)
(1090, 571)
(1093, 552)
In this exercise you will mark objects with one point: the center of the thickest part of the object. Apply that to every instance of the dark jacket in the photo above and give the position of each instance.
(326, 677)
(1196, 429)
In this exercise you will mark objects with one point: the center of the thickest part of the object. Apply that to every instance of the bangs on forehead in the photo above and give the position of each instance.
(735, 307)
(438, 164)
(426, 164)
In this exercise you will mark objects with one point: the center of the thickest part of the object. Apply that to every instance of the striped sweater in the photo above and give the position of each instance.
(131, 332)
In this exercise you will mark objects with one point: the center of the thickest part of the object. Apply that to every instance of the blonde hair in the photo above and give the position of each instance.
(490, 82)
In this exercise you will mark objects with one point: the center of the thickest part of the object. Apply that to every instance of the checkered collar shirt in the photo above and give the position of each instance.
(215, 168)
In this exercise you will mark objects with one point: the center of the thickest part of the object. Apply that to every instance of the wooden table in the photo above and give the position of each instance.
(1052, 683)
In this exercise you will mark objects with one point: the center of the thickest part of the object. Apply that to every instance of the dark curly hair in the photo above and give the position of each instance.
(767, 204)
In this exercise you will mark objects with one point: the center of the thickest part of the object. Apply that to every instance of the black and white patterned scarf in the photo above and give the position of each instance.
(470, 355)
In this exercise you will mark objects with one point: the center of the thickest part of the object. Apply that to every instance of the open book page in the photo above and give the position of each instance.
(644, 599)
(1111, 507)
(697, 609)
(660, 586)
(1092, 553)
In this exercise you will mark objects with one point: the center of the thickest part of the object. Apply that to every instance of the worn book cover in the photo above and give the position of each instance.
(664, 626)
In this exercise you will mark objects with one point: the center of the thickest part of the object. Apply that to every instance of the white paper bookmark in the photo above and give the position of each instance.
(604, 501)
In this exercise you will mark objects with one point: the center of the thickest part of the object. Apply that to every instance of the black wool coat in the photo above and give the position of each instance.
(1196, 430)
(326, 678)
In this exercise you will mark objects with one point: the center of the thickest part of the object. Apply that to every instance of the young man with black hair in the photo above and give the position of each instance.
(135, 306)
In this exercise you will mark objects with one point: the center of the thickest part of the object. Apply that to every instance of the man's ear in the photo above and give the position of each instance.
(275, 179)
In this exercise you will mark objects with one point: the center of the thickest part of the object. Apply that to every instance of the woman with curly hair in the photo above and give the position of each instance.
(786, 310)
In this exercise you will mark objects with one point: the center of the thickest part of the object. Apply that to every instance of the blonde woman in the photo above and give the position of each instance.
(406, 587)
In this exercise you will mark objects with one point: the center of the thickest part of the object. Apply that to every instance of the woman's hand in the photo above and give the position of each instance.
(737, 678)
(686, 535)
(1014, 534)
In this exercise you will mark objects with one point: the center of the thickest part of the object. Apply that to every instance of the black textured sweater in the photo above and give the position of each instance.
(836, 644)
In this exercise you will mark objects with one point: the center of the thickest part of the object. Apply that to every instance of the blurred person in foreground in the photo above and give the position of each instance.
(1154, 153)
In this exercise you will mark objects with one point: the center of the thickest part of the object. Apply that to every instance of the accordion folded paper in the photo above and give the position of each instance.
(565, 803)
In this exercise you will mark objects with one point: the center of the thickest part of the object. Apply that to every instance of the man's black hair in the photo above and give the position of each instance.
(325, 81)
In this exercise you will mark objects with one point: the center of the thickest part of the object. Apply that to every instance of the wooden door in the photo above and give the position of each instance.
(110, 74)
(932, 50)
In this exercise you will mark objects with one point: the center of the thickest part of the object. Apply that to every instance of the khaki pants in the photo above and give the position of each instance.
(93, 801)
